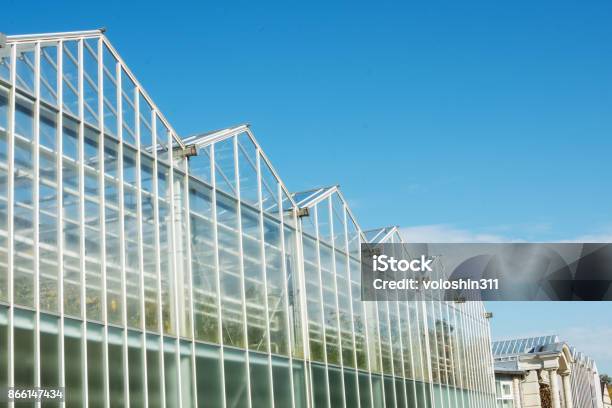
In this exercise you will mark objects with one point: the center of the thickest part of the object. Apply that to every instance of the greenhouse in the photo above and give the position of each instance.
(141, 268)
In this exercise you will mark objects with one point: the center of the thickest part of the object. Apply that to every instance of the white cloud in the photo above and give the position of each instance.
(448, 233)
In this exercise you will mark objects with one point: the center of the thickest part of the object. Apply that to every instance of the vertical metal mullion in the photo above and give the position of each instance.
(36, 216)
(382, 368)
(10, 223)
(187, 210)
(490, 362)
(422, 348)
(428, 350)
(459, 358)
(467, 355)
(141, 244)
(335, 273)
(241, 249)
(350, 297)
(102, 198)
(323, 328)
(301, 282)
(60, 205)
(264, 268)
(451, 353)
(447, 360)
(173, 247)
(412, 348)
(162, 374)
(279, 198)
(390, 351)
(469, 319)
(122, 245)
(217, 269)
(401, 348)
(366, 325)
(81, 176)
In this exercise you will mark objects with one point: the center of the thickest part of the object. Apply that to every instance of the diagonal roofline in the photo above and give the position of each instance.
(99, 33)
(56, 36)
(207, 138)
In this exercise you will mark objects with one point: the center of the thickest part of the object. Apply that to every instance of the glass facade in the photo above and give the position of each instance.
(141, 269)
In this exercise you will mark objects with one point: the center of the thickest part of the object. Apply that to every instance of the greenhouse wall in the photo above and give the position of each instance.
(139, 268)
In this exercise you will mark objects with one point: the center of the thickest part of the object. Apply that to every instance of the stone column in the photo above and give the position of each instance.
(516, 392)
(567, 391)
(554, 388)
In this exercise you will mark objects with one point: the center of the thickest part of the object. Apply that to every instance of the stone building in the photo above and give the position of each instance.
(543, 372)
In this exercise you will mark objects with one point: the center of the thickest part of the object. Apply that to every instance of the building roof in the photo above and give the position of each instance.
(513, 347)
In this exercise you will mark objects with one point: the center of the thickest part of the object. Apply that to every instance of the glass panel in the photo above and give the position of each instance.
(110, 92)
(330, 311)
(336, 392)
(5, 64)
(203, 263)
(116, 376)
(313, 300)
(25, 67)
(281, 381)
(276, 287)
(71, 240)
(70, 138)
(93, 268)
(269, 189)
(161, 138)
(324, 220)
(358, 320)
(338, 223)
(132, 256)
(254, 284)
(344, 312)
(299, 384)
(23, 228)
(136, 369)
(150, 261)
(49, 354)
(208, 374)
(389, 392)
(146, 124)
(70, 77)
(4, 345)
(154, 384)
(128, 108)
(48, 72)
(165, 234)
(187, 390)
(48, 127)
(365, 396)
(229, 266)
(95, 365)
(295, 317)
(261, 395)
(90, 81)
(225, 172)
(170, 373)
(319, 385)
(181, 246)
(24, 349)
(73, 363)
(236, 393)
(48, 201)
(247, 161)
(199, 166)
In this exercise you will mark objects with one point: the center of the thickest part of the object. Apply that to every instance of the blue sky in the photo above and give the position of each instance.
(464, 121)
